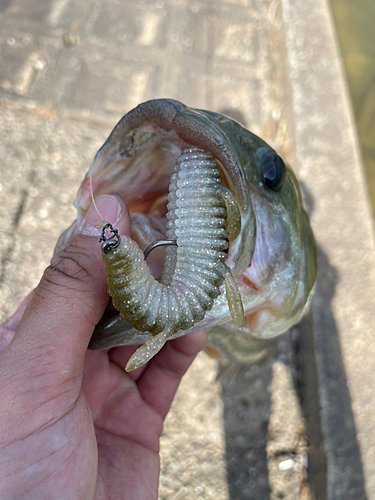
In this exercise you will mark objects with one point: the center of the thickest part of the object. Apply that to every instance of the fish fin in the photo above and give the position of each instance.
(148, 350)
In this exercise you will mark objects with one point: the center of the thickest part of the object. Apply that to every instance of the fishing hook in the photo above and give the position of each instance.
(159, 243)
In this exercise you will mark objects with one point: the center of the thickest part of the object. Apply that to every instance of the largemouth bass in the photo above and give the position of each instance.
(243, 261)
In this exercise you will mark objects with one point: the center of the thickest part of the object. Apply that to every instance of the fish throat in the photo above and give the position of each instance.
(203, 218)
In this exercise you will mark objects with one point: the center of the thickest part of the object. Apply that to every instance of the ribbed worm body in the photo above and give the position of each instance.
(198, 209)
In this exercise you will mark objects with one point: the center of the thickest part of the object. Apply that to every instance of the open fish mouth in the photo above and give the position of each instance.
(137, 161)
(140, 172)
(157, 159)
(176, 191)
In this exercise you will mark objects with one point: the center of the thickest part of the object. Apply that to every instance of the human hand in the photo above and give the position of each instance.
(73, 424)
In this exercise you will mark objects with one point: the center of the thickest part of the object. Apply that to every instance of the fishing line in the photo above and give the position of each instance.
(93, 199)
(103, 221)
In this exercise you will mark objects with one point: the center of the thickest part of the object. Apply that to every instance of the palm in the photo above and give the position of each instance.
(127, 428)
(127, 411)
(127, 414)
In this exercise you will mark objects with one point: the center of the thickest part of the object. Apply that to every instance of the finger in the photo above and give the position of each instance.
(101, 379)
(13, 321)
(72, 294)
(159, 382)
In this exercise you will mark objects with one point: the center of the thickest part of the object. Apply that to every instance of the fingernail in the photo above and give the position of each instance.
(106, 208)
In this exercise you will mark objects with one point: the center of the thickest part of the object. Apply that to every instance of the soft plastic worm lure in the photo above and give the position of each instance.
(202, 218)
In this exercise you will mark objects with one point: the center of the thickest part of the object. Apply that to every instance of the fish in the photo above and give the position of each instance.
(240, 256)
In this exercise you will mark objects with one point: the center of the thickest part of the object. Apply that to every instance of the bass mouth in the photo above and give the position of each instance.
(138, 169)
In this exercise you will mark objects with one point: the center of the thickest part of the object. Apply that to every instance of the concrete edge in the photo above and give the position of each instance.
(330, 165)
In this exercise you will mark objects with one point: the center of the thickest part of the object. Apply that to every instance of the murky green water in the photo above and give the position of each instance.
(355, 24)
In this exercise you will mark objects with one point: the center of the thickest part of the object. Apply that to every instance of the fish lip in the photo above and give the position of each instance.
(199, 128)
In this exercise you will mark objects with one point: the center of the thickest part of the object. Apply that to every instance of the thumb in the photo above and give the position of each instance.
(72, 294)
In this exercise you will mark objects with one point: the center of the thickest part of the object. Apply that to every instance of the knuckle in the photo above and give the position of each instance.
(71, 266)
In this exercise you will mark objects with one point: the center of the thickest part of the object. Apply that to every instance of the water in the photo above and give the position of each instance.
(355, 25)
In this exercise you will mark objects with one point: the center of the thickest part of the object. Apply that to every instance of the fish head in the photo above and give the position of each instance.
(283, 268)
(272, 256)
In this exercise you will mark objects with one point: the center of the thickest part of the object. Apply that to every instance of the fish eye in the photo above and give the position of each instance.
(273, 169)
